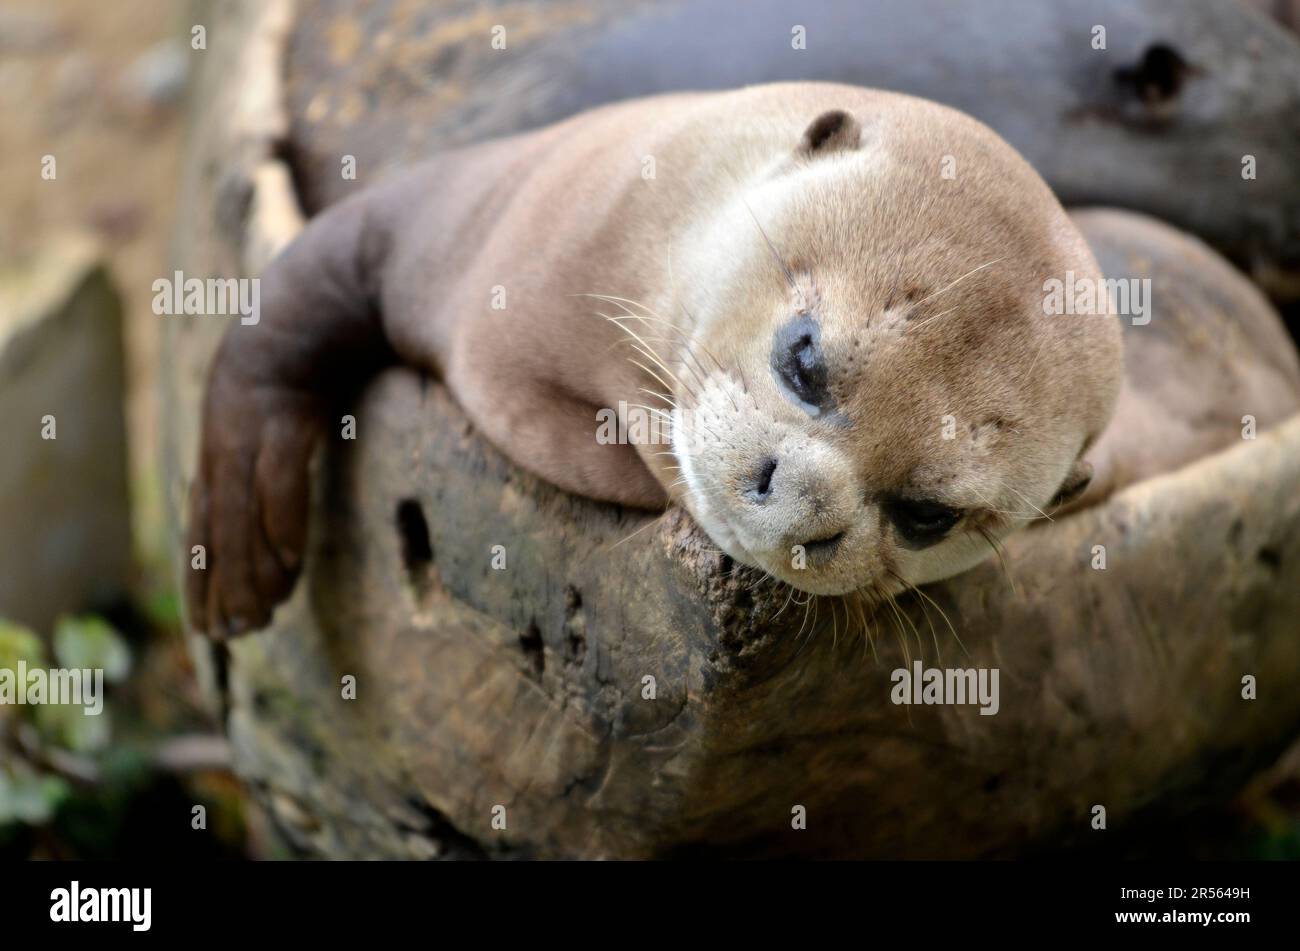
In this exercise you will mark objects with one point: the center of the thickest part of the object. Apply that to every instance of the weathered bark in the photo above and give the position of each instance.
(525, 687)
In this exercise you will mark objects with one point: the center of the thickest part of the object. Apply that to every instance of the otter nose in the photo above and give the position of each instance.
(759, 488)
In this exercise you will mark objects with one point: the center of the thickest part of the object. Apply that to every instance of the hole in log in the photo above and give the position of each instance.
(531, 643)
(1159, 76)
(417, 552)
(575, 624)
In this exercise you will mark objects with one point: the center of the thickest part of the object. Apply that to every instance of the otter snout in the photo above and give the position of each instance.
(798, 504)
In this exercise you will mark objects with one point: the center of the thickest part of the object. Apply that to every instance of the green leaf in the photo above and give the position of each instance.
(19, 643)
(69, 726)
(89, 641)
(29, 797)
(164, 608)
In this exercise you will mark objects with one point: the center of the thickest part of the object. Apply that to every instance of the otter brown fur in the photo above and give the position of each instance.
(835, 293)
(1213, 365)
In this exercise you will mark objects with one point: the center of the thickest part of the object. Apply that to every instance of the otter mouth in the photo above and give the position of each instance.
(821, 550)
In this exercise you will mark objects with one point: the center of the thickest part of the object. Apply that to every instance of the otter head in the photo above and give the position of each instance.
(873, 393)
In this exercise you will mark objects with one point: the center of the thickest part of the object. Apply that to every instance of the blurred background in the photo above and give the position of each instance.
(102, 88)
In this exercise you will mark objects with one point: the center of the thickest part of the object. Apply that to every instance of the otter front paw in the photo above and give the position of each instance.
(249, 504)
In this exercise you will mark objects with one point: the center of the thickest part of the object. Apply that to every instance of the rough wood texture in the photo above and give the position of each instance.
(523, 687)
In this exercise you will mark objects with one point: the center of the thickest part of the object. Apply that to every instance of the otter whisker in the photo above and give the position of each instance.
(1028, 374)
(648, 524)
(651, 354)
(1005, 513)
(877, 300)
(653, 409)
(788, 598)
(866, 611)
(785, 268)
(900, 635)
(648, 370)
(622, 303)
(688, 362)
(744, 383)
(854, 603)
(807, 603)
(657, 361)
(915, 327)
(689, 391)
(943, 614)
(812, 628)
(646, 348)
(902, 260)
(997, 550)
(908, 586)
(663, 396)
(672, 284)
(962, 278)
(1030, 503)
(701, 374)
(916, 631)
(708, 352)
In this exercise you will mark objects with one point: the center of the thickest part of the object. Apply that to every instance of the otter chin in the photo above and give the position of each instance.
(870, 390)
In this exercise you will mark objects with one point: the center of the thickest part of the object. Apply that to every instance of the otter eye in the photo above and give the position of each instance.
(798, 363)
(921, 523)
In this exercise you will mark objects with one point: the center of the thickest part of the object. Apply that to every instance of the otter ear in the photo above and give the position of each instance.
(831, 131)
(1078, 479)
